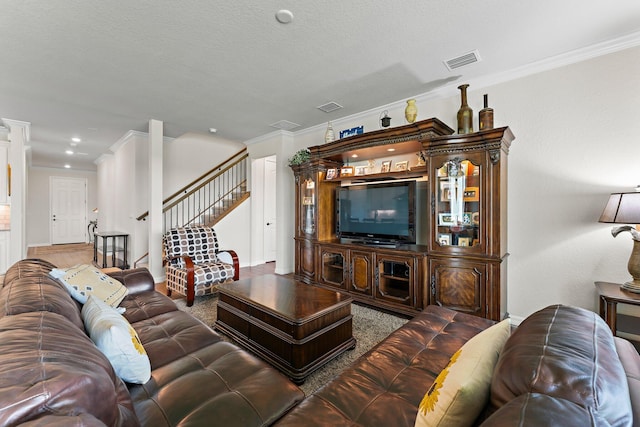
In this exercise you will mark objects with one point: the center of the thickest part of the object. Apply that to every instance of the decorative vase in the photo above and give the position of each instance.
(485, 116)
(465, 113)
(411, 111)
(329, 136)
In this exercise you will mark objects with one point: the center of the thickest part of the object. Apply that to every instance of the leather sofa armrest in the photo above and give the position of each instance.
(630, 360)
(229, 256)
(136, 279)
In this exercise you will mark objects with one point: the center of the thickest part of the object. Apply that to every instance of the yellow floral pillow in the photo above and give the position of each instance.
(461, 390)
(117, 340)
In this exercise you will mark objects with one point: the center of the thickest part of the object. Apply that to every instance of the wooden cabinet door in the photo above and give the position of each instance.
(333, 264)
(458, 284)
(361, 272)
(395, 279)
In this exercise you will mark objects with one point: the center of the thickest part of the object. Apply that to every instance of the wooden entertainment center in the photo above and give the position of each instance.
(459, 258)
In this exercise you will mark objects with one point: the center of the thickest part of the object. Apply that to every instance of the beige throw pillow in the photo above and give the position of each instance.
(117, 340)
(84, 280)
(461, 390)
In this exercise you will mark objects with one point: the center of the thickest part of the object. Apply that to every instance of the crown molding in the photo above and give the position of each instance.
(132, 135)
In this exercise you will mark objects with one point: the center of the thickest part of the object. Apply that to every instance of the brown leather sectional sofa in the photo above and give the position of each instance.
(561, 366)
(51, 373)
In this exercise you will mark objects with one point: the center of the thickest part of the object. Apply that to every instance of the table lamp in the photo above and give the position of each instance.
(624, 208)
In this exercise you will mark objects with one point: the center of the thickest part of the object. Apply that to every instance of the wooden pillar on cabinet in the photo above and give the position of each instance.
(155, 226)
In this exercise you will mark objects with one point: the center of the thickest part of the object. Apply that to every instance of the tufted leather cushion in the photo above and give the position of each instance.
(197, 377)
(31, 267)
(38, 293)
(567, 353)
(48, 366)
(385, 386)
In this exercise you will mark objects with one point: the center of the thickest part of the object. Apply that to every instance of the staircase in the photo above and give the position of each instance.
(210, 197)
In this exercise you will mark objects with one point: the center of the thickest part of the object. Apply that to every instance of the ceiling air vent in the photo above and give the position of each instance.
(284, 125)
(329, 107)
(462, 60)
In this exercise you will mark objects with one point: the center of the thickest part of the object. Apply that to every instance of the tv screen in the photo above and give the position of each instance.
(377, 212)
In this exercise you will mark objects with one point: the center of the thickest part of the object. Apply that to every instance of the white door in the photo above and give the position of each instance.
(68, 206)
(270, 209)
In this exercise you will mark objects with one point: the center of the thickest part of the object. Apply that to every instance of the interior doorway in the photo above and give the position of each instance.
(68, 210)
(269, 208)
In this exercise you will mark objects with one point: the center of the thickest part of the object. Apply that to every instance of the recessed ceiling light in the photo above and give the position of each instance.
(284, 16)
(69, 152)
(391, 149)
(76, 139)
(213, 130)
(354, 156)
(67, 166)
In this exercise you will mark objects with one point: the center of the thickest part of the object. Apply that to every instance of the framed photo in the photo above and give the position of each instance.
(332, 173)
(402, 166)
(444, 239)
(463, 241)
(475, 218)
(346, 171)
(467, 218)
(445, 191)
(386, 166)
(471, 194)
(361, 170)
(445, 219)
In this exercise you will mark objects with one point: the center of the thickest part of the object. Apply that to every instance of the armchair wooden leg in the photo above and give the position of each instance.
(168, 292)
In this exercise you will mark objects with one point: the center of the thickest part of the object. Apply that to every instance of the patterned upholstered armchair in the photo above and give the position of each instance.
(194, 264)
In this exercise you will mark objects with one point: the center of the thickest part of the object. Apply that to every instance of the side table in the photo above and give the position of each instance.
(609, 295)
(113, 236)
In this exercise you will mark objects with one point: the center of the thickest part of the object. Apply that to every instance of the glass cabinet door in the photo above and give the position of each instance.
(308, 206)
(457, 203)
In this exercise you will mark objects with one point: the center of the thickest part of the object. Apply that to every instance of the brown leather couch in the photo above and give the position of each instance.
(51, 373)
(561, 367)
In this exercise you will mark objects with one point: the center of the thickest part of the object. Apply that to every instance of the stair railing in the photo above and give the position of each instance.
(201, 200)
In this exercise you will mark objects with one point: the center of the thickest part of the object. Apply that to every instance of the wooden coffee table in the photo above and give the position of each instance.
(293, 326)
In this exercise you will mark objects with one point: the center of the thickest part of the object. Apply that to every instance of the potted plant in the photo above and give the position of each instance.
(301, 156)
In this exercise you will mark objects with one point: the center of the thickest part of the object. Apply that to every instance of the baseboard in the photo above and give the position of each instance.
(516, 320)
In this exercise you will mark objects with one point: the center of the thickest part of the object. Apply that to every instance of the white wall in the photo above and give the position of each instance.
(38, 213)
(576, 132)
(191, 155)
(123, 184)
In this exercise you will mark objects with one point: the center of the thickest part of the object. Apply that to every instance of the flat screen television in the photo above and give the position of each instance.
(377, 213)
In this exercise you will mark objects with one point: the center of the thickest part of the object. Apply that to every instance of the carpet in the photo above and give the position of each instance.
(369, 328)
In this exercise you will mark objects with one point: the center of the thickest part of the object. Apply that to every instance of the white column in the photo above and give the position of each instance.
(155, 199)
(19, 137)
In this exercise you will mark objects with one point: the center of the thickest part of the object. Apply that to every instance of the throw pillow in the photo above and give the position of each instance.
(117, 340)
(461, 390)
(84, 280)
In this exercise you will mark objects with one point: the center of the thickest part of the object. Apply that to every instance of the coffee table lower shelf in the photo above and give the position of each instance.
(296, 358)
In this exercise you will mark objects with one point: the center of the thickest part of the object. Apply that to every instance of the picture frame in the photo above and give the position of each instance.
(464, 241)
(445, 219)
(386, 166)
(445, 191)
(467, 218)
(471, 194)
(346, 171)
(444, 239)
(402, 166)
(360, 170)
(331, 174)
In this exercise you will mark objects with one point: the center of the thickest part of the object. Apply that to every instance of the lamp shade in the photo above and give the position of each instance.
(622, 208)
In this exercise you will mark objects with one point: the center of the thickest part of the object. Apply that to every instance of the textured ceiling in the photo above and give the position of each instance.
(97, 69)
